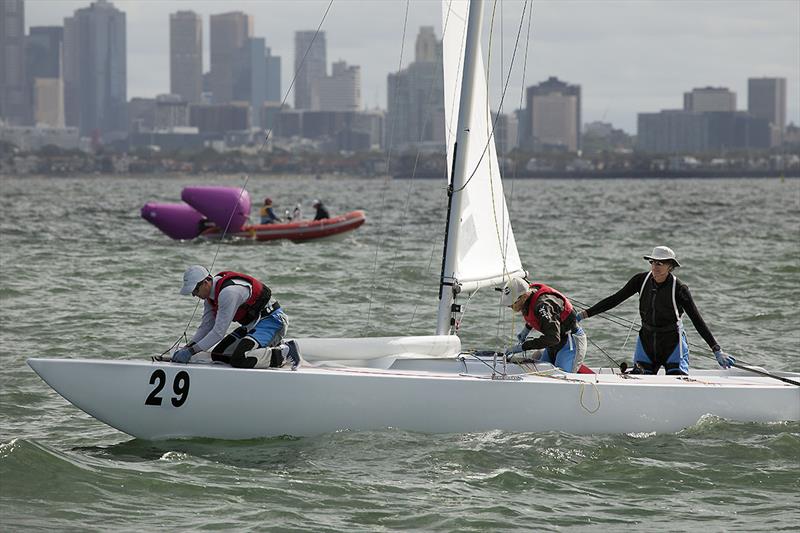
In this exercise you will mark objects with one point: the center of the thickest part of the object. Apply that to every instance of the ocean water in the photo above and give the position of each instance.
(84, 276)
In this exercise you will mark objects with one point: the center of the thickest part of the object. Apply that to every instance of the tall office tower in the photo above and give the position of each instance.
(310, 65)
(229, 31)
(273, 71)
(250, 76)
(706, 99)
(766, 98)
(426, 46)
(415, 97)
(95, 70)
(186, 55)
(554, 115)
(341, 91)
(43, 60)
(43, 52)
(15, 106)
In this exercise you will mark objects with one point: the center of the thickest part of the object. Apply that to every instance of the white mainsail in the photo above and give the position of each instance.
(486, 252)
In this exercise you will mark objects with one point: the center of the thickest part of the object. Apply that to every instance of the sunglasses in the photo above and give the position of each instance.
(197, 287)
(657, 263)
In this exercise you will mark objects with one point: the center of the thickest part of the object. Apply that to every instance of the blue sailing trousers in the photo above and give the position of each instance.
(571, 355)
(676, 363)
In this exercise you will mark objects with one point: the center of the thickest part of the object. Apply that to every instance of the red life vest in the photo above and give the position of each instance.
(542, 289)
(250, 309)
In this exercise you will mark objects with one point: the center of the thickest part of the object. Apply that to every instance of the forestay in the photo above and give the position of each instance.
(486, 252)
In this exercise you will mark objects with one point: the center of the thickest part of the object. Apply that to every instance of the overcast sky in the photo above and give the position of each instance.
(628, 56)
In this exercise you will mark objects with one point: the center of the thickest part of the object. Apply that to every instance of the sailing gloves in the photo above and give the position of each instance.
(724, 360)
(580, 315)
(182, 356)
(517, 348)
(523, 333)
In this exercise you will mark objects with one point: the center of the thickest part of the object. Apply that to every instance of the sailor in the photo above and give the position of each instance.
(562, 343)
(268, 215)
(297, 213)
(233, 296)
(322, 213)
(663, 299)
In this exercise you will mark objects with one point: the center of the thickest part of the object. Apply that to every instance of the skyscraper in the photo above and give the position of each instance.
(95, 70)
(707, 99)
(15, 105)
(415, 96)
(766, 98)
(341, 91)
(310, 64)
(554, 115)
(229, 31)
(273, 71)
(250, 76)
(186, 55)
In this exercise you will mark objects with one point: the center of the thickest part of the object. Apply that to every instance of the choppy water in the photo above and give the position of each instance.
(83, 275)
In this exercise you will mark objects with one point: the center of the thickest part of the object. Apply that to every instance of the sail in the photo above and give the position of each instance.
(486, 252)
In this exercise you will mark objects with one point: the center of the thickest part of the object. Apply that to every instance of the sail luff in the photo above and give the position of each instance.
(480, 247)
(458, 180)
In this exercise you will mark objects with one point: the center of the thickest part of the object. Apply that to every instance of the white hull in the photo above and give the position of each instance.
(451, 396)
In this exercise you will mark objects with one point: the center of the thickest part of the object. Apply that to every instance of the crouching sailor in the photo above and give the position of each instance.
(235, 297)
(549, 312)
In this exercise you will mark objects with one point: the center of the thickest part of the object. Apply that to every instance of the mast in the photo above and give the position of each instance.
(447, 281)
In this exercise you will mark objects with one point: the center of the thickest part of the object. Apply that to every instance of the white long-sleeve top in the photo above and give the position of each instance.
(214, 326)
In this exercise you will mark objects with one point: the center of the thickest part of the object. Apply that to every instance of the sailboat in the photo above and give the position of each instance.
(421, 383)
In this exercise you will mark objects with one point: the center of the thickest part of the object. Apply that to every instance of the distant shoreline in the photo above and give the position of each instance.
(637, 174)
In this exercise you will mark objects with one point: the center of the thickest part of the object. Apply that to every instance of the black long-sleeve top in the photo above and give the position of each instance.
(659, 322)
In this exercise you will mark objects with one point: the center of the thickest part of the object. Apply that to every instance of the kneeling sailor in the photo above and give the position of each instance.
(562, 343)
(233, 296)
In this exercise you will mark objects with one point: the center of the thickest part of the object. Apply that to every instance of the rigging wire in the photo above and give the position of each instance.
(703, 350)
(183, 336)
(427, 119)
(386, 178)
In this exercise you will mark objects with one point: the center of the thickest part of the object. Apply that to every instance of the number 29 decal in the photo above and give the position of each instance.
(180, 386)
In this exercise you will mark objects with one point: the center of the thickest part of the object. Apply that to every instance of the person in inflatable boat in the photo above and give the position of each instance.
(322, 212)
(267, 214)
(663, 299)
(233, 296)
(562, 343)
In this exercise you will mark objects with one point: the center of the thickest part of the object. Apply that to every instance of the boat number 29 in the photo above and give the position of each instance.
(180, 386)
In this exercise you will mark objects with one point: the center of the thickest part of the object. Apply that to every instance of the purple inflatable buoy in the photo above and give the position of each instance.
(220, 204)
(179, 221)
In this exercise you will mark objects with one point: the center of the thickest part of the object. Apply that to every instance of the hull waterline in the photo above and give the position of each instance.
(220, 402)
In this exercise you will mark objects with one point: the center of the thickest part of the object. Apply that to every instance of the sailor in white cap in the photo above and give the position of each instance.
(663, 299)
(235, 297)
(544, 309)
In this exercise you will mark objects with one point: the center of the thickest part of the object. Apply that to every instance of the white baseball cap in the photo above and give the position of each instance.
(662, 253)
(193, 275)
(513, 290)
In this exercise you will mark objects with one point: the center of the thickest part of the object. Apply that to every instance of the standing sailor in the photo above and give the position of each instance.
(562, 343)
(229, 297)
(663, 298)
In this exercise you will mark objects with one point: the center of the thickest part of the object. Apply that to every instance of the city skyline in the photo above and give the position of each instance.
(629, 57)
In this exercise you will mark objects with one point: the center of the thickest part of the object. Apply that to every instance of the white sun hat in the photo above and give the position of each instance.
(513, 290)
(193, 275)
(662, 253)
